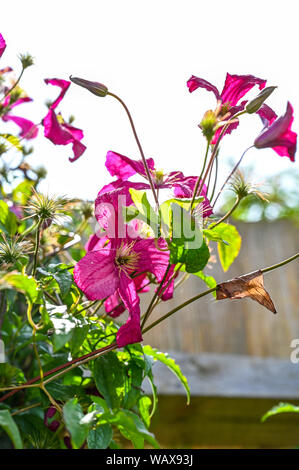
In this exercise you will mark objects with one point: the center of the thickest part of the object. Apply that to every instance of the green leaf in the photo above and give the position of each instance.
(10, 427)
(280, 408)
(22, 192)
(213, 236)
(170, 363)
(109, 378)
(194, 259)
(78, 336)
(146, 212)
(22, 283)
(64, 325)
(131, 426)
(100, 437)
(144, 405)
(74, 421)
(13, 140)
(10, 375)
(61, 275)
(8, 220)
(208, 280)
(227, 254)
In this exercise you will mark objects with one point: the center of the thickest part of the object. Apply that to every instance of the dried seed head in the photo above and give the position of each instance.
(45, 208)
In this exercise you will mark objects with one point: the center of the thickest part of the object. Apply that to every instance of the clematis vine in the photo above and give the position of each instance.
(278, 134)
(235, 87)
(56, 129)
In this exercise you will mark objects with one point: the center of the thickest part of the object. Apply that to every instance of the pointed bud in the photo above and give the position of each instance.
(94, 87)
(254, 105)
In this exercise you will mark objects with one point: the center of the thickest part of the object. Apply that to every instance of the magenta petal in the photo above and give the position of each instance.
(78, 149)
(184, 189)
(236, 86)
(152, 259)
(195, 82)
(54, 131)
(2, 45)
(279, 136)
(114, 306)
(28, 129)
(130, 332)
(63, 84)
(96, 275)
(123, 167)
(267, 115)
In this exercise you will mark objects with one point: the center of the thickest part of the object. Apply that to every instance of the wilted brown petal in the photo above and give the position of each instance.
(251, 285)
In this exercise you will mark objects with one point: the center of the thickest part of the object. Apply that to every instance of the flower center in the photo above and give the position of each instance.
(126, 259)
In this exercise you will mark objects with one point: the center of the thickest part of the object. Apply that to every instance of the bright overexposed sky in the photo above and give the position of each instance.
(145, 51)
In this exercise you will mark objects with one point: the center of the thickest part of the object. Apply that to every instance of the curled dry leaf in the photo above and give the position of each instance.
(250, 285)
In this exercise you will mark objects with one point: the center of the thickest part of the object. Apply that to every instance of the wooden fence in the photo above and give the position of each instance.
(238, 326)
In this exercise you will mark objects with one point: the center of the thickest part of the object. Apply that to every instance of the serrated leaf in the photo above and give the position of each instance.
(73, 416)
(10, 427)
(100, 437)
(280, 408)
(171, 364)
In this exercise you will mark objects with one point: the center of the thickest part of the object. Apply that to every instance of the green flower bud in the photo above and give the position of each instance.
(254, 105)
(94, 87)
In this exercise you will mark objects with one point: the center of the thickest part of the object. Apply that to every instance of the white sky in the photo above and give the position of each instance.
(145, 51)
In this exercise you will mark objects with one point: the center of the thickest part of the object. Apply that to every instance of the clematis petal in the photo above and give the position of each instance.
(63, 84)
(2, 45)
(184, 188)
(152, 259)
(130, 332)
(267, 115)
(236, 86)
(114, 306)
(6, 102)
(63, 134)
(28, 129)
(123, 167)
(279, 136)
(96, 275)
(195, 82)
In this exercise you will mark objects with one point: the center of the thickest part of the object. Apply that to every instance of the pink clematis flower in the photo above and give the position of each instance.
(58, 131)
(29, 130)
(123, 168)
(107, 272)
(235, 87)
(279, 135)
(2, 45)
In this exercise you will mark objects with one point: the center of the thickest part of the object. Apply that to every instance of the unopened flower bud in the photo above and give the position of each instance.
(254, 105)
(94, 87)
(208, 124)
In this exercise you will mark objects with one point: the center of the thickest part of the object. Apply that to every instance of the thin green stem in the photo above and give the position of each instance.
(278, 265)
(238, 199)
(215, 179)
(231, 174)
(179, 307)
(139, 146)
(202, 294)
(14, 85)
(37, 241)
(200, 176)
(149, 309)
